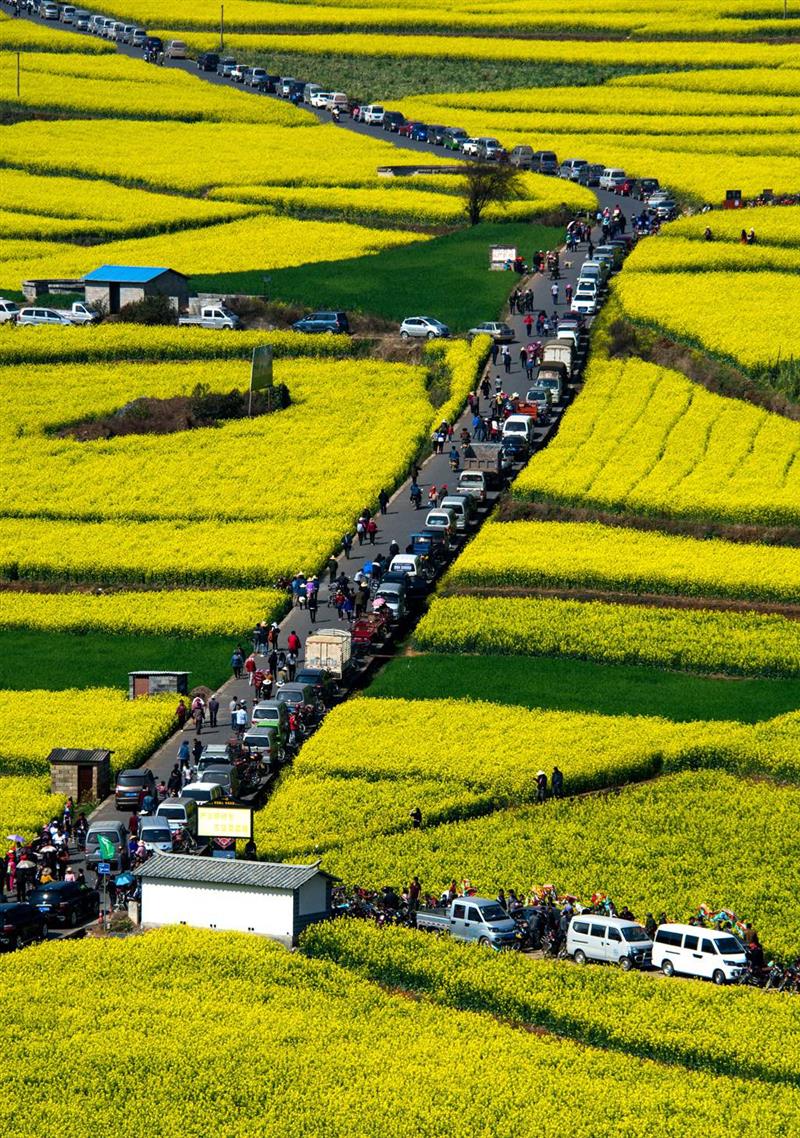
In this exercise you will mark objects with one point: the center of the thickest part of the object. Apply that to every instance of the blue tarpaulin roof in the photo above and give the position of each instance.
(124, 274)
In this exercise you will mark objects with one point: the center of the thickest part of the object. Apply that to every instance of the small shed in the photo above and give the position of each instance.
(86, 775)
(157, 683)
(111, 287)
(275, 900)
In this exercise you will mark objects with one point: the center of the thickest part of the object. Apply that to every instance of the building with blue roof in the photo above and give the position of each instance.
(110, 287)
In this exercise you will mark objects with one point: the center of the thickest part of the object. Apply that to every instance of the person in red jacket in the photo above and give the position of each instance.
(293, 643)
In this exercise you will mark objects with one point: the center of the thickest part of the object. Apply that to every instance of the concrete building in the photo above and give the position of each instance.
(86, 775)
(275, 900)
(111, 287)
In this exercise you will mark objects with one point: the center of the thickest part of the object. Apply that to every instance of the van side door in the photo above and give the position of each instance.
(613, 945)
(706, 959)
(597, 944)
(459, 926)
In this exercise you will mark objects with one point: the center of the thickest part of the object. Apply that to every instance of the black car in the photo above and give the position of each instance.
(324, 683)
(331, 322)
(20, 924)
(392, 120)
(208, 61)
(152, 44)
(515, 450)
(646, 187)
(436, 135)
(65, 902)
(417, 586)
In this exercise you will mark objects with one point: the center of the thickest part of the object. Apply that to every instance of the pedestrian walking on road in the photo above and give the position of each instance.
(506, 358)
(183, 753)
(181, 711)
(241, 717)
(554, 292)
(432, 498)
(568, 293)
(372, 529)
(361, 531)
(347, 544)
(333, 571)
(528, 322)
(383, 499)
(237, 663)
(293, 642)
(232, 709)
(495, 352)
(250, 667)
(486, 387)
(213, 710)
(312, 606)
(291, 665)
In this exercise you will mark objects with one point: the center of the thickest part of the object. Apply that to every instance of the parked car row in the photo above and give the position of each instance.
(79, 313)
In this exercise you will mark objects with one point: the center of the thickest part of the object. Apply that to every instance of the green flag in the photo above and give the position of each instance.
(106, 847)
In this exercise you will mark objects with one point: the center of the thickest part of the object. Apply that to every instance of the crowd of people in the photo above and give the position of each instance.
(45, 858)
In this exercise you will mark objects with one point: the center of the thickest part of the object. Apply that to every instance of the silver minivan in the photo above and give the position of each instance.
(156, 833)
(463, 506)
(611, 940)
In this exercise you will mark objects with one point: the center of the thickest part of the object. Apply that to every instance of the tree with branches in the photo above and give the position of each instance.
(490, 183)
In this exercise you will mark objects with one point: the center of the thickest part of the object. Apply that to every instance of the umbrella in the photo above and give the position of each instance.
(14, 838)
(47, 849)
(26, 864)
(124, 879)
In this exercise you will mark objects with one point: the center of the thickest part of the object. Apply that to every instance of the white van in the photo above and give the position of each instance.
(181, 813)
(519, 427)
(337, 99)
(696, 951)
(609, 939)
(206, 793)
(372, 115)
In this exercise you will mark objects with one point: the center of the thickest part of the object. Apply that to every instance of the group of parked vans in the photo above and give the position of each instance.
(676, 949)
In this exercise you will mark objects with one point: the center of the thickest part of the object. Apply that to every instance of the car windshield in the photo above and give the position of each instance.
(110, 835)
(175, 812)
(728, 944)
(265, 712)
(494, 913)
(635, 934)
(155, 834)
(131, 780)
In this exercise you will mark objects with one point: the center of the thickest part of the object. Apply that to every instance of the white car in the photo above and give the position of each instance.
(423, 327)
(372, 115)
(319, 99)
(585, 302)
(470, 147)
(67, 12)
(175, 49)
(9, 311)
(35, 316)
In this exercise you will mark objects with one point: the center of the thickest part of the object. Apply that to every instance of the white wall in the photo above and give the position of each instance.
(312, 896)
(233, 907)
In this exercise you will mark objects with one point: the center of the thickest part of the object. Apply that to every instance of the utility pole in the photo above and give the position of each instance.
(222, 26)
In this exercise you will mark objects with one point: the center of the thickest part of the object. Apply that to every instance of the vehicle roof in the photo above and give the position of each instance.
(695, 929)
(110, 824)
(176, 802)
(615, 922)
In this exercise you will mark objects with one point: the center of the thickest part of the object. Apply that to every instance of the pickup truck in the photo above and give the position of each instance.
(472, 918)
(536, 404)
(81, 313)
(211, 316)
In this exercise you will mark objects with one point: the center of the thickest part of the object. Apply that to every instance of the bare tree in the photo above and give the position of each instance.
(489, 183)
